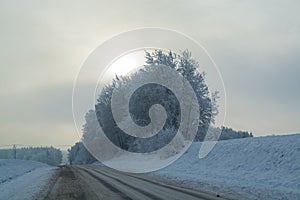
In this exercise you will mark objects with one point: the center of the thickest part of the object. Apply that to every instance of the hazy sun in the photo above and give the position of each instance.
(125, 64)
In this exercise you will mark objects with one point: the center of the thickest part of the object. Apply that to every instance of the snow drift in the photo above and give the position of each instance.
(250, 168)
(23, 179)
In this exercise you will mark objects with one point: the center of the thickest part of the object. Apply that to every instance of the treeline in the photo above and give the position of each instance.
(48, 155)
(227, 134)
(78, 154)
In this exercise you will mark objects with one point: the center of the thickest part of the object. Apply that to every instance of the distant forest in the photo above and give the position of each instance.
(228, 133)
(48, 155)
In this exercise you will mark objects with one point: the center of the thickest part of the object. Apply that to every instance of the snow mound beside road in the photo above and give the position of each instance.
(250, 168)
(23, 179)
(10, 168)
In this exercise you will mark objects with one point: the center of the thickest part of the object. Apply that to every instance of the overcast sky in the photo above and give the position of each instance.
(256, 45)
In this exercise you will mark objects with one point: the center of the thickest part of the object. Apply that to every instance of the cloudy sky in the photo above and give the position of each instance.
(256, 45)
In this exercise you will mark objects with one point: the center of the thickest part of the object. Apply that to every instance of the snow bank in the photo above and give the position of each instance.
(23, 179)
(10, 168)
(251, 168)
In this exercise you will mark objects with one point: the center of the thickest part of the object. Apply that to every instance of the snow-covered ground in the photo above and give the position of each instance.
(251, 168)
(22, 179)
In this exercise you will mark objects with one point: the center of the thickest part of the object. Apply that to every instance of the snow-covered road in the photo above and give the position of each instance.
(94, 182)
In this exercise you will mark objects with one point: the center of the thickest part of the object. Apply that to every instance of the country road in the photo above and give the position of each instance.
(98, 182)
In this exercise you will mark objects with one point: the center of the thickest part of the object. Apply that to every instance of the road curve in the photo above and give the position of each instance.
(97, 182)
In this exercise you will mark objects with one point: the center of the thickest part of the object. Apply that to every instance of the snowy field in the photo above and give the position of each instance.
(22, 179)
(251, 168)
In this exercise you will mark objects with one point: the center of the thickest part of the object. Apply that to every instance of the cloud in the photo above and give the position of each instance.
(42, 46)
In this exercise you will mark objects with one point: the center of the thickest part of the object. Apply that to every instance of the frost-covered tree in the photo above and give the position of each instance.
(140, 102)
(187, 67)
(79, 155)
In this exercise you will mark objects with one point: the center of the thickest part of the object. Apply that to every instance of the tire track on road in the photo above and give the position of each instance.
(150, 195)
(151, 188)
